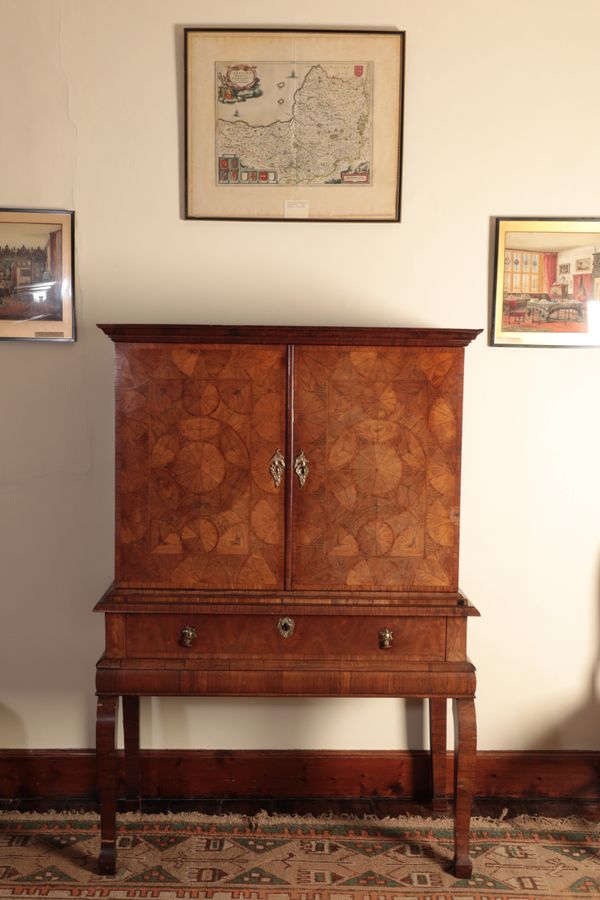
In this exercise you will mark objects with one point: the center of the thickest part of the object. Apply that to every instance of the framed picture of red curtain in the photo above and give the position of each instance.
(36, 275)
(546, 283)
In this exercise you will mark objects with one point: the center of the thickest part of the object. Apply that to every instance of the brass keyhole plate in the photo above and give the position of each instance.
(286, 626)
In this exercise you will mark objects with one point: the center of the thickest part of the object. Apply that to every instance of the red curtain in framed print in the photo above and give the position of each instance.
(550, 270)
(582, 286)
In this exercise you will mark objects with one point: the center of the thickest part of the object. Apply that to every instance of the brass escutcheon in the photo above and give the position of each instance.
(187, 636)
(276, 467)
(385, 638)
(286, 626)
(301, 468)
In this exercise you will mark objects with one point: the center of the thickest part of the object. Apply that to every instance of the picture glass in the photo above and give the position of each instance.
(293, 124)
(547, 282)
(36, 294)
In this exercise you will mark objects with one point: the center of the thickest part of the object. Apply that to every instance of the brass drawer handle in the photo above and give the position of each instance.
(301, 468)
(386, 638)
(276, 467)
(188, 636)
(286, 626)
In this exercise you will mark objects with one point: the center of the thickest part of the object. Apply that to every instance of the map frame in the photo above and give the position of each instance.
(245, 162)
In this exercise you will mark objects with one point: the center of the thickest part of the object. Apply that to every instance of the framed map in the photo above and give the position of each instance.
(292, 125)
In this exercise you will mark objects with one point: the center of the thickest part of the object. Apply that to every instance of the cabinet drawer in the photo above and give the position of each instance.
(284, 636)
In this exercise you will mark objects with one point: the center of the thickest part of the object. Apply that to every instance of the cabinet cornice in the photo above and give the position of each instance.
(289, 334)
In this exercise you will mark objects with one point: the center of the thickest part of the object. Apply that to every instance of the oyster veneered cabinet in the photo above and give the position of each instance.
(198, 429)
(381, 430)
(287, 523)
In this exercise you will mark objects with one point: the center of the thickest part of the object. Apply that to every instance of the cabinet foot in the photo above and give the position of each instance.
(462, 867)
(107, 860)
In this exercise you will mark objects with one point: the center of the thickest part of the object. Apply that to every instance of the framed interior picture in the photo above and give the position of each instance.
(289, 125)
(547, 283)
(36, 275)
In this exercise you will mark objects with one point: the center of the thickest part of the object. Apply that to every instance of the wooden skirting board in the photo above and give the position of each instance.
(572, 774)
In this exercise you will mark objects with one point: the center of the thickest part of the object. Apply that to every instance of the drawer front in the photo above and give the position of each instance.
(284, 636)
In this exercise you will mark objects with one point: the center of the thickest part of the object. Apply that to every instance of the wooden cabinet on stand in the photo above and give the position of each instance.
(287, 523)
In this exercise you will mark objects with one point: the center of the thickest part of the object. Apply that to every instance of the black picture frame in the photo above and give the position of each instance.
(259, 129)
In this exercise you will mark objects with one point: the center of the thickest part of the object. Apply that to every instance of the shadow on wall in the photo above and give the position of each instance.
(12, 729)
(176, 718)
(265, 771)
(581, 729)
(250, 772)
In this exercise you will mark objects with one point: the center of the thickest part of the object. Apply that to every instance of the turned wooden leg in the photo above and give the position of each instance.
(465, 753)
(131, 733)
(106, 757)
(437, 741)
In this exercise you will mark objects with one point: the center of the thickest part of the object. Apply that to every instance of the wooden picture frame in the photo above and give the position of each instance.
(36, 275)
(293, 125)
(546, 282)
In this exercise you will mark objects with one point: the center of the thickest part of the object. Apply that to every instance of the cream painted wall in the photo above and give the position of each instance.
(92, 120)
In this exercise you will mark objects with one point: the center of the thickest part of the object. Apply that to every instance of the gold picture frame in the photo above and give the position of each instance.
(36, 275)
(293, 125)
(546, 282)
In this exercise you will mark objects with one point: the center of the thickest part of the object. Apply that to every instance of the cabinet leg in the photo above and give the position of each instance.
(131, 733)
(437, 740)
(465, 753)
(106, 757)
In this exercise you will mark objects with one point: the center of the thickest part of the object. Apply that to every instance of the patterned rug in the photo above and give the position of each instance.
(195, 857)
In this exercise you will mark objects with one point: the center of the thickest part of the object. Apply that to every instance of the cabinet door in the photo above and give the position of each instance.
(197, 426)
(381, 431)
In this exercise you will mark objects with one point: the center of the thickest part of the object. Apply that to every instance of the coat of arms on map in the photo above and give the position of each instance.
(294, 124)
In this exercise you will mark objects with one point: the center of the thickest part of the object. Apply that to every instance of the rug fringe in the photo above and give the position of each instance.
(264, 818)
(567, 823)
